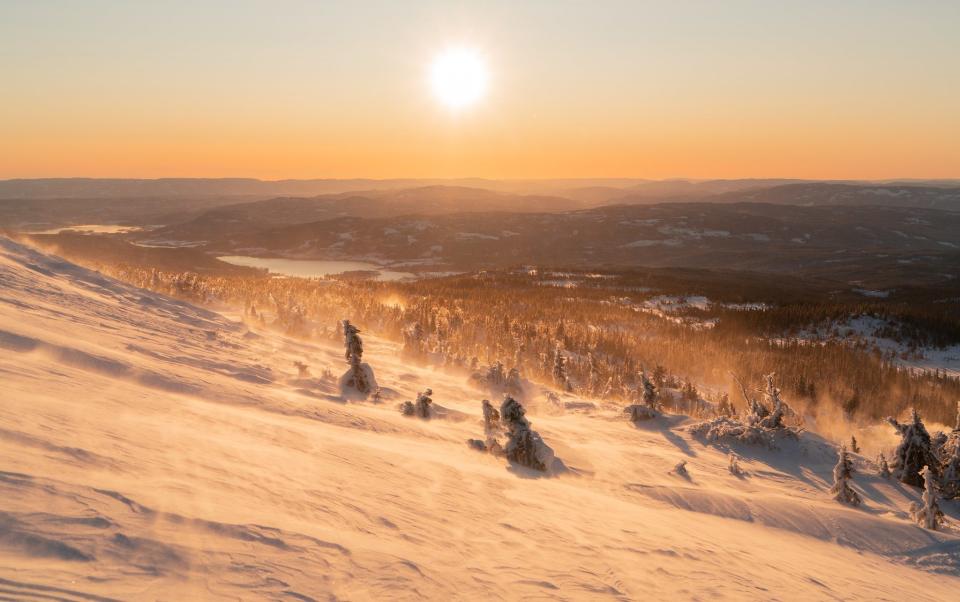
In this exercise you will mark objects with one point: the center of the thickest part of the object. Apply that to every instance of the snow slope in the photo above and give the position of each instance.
(150, 449)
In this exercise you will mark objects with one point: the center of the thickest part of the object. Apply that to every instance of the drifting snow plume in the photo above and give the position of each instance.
(928, 515)
(914, 452)
(359, 377)
(524, 446)
(842, 475)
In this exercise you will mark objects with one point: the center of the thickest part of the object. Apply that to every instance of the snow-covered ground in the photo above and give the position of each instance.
(150, 449)
(867, 330)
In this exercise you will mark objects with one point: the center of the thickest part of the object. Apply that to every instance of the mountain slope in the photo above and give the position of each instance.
(151, 449)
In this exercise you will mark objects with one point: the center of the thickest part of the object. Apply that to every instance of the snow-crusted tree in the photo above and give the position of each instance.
(649, 393)
(724, 407)
(883, 469)
(842, 475)
(914, 451)
(681, 469)
(928, 515)
(951, 474)
(853, 445)
(771, 395)
(359, 377)
(524, 446)
(650, 398)
(560, 369)
(413, 341)
(513, 383)
(491, 418)
(422, 406)
(734, 465)
(303, 370)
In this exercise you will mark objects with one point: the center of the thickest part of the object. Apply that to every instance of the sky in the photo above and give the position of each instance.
(284, 89)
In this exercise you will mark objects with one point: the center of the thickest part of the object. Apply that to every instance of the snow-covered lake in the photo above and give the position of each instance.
(92, 229)
(312, 268)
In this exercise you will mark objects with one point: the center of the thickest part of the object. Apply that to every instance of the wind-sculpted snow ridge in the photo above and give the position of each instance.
(150, 449)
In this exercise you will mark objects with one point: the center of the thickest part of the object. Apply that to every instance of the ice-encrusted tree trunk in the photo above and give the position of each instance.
(524, 445)
(842, 476)
(928, 515)
(914, 451)
(359, 376)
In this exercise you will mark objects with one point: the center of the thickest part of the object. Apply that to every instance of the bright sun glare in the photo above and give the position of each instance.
(459, 77)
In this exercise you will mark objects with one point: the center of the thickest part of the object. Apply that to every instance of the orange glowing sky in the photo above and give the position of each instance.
(866, 89)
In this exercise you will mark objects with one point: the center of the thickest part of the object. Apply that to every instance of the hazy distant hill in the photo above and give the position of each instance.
(841, 242)
(820, 193)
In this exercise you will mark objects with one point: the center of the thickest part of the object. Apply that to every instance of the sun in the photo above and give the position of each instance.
(459, 77)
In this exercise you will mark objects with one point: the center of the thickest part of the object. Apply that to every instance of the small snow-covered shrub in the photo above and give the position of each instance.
(724, 429)
(639, 412)
(734, 465)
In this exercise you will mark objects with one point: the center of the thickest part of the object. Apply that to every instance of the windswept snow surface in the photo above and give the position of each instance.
(150, 449)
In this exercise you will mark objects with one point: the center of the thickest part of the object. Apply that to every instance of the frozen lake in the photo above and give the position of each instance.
(313, 268)
(92, 229)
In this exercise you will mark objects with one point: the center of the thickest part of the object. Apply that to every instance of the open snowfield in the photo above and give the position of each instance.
(150, 449)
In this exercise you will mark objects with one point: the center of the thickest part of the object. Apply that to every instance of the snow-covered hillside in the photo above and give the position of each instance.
(150, 449)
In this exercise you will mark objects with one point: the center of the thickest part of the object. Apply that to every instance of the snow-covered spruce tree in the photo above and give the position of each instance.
(928, 515)
(950, 482)
(649, 396)
(724, 407)
(914, 451)
(359, 376)
(771, 395)
(513, 383)
(734, 465)
(303, 370)
(491, 419)
(842, 475)
(422, 406)
(491, 429)
(883, 469)
(560, 369)
(524, 446)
